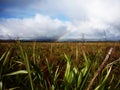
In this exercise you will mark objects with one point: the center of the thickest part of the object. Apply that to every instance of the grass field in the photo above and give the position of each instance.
(59, 66)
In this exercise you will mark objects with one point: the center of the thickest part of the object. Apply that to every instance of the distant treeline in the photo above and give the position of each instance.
(58, 41)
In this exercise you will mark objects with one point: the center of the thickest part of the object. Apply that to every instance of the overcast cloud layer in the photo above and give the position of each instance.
(63, 19)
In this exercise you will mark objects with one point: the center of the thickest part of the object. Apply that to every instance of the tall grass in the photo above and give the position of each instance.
(21, 70)
(27, 64)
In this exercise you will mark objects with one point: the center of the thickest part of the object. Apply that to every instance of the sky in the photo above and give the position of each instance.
(60, 20)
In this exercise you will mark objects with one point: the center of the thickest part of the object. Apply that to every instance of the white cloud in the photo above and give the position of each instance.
(41, 26)
(29, 28)
(107, 10)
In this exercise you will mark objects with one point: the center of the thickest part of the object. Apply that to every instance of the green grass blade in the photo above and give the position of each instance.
(67, 71)
(6, 57)
(69, 74)
(87, 61)
(83, 75)
(14, 88)
(49, 67)
(80, 78)
(117, 85)
(86, 76)
(34, 58)
(1, 58)
(1, 85)
(16, 73)
(27, 64)
(70, 77)
(101, 86)
(29, 71)
(38, 72)
(56, 74)
(77, 53)
(53, 87)
(66, 57)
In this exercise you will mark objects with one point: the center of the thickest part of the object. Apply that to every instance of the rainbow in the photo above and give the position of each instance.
(62, 35)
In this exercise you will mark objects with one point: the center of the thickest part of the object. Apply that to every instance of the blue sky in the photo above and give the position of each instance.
(60, 19)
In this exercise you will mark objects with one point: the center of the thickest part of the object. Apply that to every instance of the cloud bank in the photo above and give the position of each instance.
(30, 28)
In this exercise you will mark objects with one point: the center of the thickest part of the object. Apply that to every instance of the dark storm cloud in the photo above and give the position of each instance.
(1, 10)
(116, 26)
(17, 3)
(17, 8)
